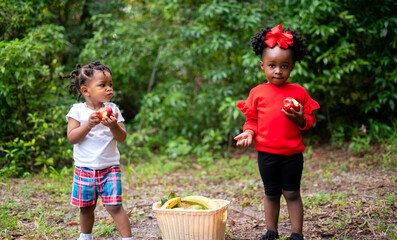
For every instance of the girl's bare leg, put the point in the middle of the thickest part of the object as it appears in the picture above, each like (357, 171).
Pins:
(272, 211)
(120, 219)
(295, 210)
(87, 218)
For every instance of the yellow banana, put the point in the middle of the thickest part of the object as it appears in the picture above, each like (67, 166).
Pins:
(200, 200)
(171, 203)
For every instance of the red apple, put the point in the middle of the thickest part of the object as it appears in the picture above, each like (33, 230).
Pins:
(105, 112)
(289, 103)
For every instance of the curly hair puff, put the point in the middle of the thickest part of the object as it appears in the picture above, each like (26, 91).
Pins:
(298, 48)
(83, 74)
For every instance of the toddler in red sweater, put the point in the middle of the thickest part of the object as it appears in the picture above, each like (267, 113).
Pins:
(276, 131)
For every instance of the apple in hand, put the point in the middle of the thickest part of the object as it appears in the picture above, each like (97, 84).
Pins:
(289, 103)
(105, 112)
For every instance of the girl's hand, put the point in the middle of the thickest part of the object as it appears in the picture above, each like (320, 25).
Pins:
(93, 120)
(117, 128)
(110, 121)
(244, 139)
(296, 117)
(77, 132)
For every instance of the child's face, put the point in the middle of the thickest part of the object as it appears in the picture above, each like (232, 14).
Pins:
(99, 87)
(277, 64)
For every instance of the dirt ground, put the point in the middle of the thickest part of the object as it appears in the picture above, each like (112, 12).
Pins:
(360, 207)
(345, 197)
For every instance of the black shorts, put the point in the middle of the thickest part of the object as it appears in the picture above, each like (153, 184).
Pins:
(280, 172)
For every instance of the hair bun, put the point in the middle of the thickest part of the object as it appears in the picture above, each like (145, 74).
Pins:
(298, 49)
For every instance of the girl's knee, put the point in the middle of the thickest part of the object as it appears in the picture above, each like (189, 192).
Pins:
(273, 198)
(291, 195)
(114, 209)
(87, 210)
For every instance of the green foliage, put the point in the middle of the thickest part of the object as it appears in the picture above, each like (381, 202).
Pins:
(351, 68)
(31, 114)
(15, 18)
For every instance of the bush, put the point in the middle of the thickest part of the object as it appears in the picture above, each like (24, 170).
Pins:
(32, 122)
(351, 69)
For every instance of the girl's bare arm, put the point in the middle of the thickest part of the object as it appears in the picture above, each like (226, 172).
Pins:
(77, 132)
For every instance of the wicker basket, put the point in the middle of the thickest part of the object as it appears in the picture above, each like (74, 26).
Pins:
(185, 224)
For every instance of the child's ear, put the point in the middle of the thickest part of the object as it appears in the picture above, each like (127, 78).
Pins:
(84, 90)
(262, 65)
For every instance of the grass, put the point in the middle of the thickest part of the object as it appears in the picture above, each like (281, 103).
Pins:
(104, 227)
(34, 208)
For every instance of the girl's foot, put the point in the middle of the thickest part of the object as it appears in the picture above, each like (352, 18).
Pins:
(270, 235)
(295, 236)
(85, 236)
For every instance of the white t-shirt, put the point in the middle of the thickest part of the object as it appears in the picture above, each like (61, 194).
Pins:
(98, 149)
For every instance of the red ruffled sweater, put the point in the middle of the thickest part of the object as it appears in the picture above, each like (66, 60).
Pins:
(274, 132)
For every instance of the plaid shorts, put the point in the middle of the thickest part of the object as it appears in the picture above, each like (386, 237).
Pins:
(89, 183)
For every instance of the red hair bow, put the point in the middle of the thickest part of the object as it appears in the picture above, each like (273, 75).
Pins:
(276, 35)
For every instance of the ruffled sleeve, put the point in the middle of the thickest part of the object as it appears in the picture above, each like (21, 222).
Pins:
(308, 110)
(310, 106)
(248, 107)
(248, 111)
